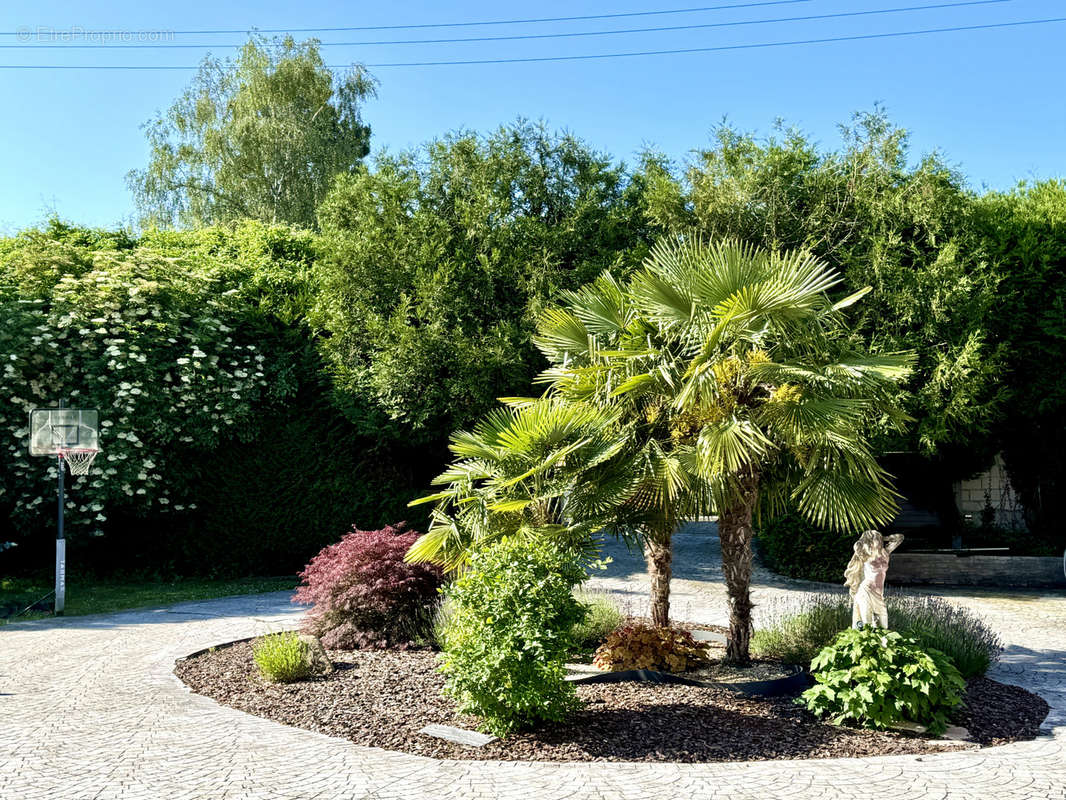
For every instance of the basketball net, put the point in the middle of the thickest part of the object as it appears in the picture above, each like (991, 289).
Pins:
(78, 460)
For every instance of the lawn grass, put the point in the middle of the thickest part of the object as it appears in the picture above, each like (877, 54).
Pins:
(101, 596)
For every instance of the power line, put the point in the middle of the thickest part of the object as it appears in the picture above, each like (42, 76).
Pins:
(698, 26)
(469, 24)
(722, 48)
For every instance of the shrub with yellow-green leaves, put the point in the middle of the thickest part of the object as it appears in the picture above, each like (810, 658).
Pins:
(647, 647)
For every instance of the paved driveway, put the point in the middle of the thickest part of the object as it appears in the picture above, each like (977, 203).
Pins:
(89, 709)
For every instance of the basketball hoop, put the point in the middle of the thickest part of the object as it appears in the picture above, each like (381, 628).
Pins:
(71, 435)
(78, 460)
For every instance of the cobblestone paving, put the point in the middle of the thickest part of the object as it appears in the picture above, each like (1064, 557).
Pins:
(89, 709)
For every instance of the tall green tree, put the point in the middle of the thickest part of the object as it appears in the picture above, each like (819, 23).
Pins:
(259, 137)
(436, 263)
(1023, 235)
(748, 381)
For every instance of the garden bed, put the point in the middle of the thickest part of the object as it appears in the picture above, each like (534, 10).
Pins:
(384, 698)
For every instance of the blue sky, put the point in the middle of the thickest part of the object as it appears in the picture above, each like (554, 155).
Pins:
(991, 100)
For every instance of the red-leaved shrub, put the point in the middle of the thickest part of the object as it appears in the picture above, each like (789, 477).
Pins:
(363, 594)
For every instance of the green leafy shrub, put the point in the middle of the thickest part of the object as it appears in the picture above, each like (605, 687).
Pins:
(796, 634)
(281, 657)
(508, 633)
(140, 338)
(435, 264)
(602, 615)
(269, 505)
(1023, 233)
(792, 546)
(647, 647)
(878, 678)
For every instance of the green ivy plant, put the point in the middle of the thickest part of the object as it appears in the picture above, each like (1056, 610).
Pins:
(880, 678)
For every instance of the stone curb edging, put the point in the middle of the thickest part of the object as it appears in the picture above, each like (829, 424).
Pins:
(212, 648)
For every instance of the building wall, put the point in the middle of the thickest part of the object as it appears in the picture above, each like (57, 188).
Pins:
(951, 570)
(991, 488)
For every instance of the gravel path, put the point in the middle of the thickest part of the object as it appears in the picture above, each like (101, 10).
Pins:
(90, 709)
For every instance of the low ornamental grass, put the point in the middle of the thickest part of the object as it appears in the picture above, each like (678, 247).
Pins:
(281, 657)
(960, 634)
(602, 615)
(798, 631)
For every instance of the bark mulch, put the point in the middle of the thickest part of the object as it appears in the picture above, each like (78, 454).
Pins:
(383, 698)
(998, 713)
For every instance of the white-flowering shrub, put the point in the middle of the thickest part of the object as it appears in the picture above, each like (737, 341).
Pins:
(166, 349)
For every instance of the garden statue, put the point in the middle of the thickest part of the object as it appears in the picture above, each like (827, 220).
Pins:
(865, 578)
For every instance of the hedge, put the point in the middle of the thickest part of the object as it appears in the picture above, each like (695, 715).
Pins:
(222, 453)
(789, 545)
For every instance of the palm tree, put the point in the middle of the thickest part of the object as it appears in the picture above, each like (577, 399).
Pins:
(566, 469)
(719, 379)
(739, 388)
(595, 341)
(533, 468)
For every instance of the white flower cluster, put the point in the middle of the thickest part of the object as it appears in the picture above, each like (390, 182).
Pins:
(151, 351)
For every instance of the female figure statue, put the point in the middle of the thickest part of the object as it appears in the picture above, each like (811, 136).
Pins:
(865, 577)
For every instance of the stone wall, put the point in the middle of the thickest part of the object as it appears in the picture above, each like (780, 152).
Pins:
(991, 488)
(949, 569)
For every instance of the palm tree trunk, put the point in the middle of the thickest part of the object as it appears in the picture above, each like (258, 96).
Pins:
(735, 532)
(658, 551)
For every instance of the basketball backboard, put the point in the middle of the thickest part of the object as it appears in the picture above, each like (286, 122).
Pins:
(53, 430)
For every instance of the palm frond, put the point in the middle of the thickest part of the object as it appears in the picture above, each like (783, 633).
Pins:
(850, 374)
(465, 471)
(844, 500)
(851, 299)
(562, 335)
(731, 445)
(872, 369)
(518, 402)
(721, 270)
(601, 306)
(804, 419)
(662, 301)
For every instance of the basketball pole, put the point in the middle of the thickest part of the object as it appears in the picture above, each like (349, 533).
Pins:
(61, 545)
(60, 552)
